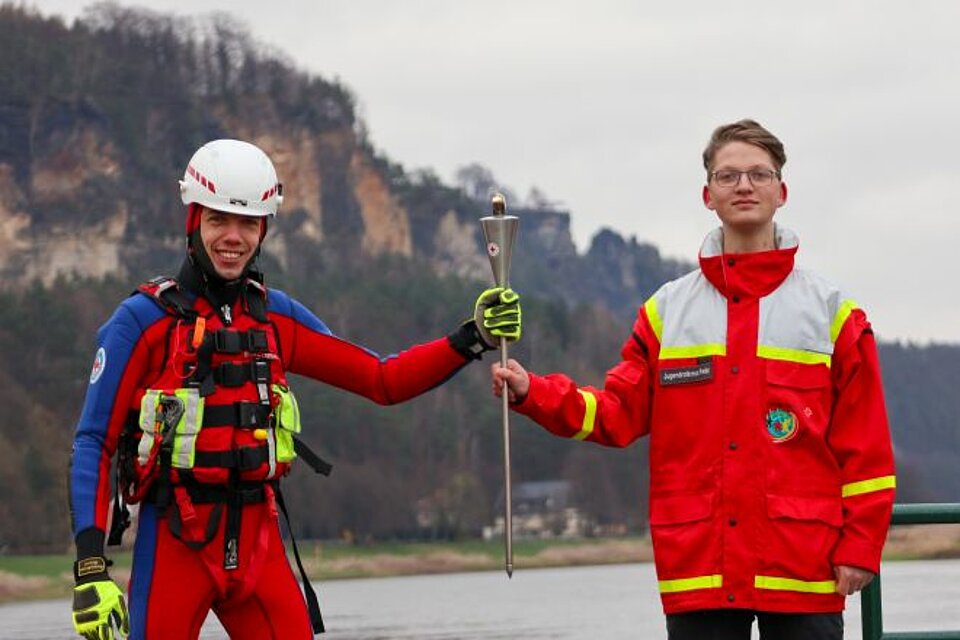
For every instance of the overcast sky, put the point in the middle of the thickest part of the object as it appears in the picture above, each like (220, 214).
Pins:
(605, 106)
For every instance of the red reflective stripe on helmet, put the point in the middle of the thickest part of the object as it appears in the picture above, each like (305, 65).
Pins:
(202, 179)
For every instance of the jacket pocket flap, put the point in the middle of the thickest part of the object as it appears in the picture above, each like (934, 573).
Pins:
(821, 508)
(796, 375)
(680, 509)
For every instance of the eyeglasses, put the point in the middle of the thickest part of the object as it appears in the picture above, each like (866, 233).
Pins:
(757, 177)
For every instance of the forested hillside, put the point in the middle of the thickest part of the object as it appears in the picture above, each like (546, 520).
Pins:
(96, 121)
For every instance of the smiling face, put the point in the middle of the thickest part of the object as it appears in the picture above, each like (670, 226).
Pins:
(745, 210)
(230, 241)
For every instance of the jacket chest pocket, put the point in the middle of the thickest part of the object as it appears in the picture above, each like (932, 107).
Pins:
(798, 400)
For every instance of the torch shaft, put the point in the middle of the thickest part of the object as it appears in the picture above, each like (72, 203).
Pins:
(499, 231)
(507, 484)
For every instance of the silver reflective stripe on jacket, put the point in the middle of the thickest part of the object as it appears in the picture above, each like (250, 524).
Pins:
(799, 321)
(692, 318)
(796, 319)
(148, 424)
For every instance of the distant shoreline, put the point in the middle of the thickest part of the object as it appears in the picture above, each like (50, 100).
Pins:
(40, 577)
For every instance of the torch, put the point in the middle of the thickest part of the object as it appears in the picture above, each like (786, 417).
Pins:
(500, 232)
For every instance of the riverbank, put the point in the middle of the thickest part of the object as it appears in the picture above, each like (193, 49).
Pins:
(49, 576)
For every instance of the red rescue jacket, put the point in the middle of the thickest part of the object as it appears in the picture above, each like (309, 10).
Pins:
(770, 455)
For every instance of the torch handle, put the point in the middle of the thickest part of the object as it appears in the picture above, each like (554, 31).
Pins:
(507, 484)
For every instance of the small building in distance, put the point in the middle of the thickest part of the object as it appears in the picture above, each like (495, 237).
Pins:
(542, 509)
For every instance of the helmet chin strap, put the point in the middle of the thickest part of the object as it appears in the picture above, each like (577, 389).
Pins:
(198, 256)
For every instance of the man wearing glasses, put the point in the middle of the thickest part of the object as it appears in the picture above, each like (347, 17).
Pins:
(771, 466)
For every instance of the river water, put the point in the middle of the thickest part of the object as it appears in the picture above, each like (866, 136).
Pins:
(582, 603)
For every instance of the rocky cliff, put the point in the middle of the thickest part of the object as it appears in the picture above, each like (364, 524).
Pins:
(91, 148)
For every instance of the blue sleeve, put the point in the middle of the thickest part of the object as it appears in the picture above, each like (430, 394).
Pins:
(92, 448)
(280, 303)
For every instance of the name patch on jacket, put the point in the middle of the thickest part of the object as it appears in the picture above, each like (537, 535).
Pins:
(683, 375)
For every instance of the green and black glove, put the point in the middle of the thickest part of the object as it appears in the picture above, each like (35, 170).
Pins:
(99, 610)
(496, 315)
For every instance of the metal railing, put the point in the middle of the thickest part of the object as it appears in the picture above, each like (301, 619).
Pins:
(871, 611)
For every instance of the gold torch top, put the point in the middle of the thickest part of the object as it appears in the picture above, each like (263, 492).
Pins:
(499, 204)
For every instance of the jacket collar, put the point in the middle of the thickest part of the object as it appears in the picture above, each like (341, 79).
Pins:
(748, 274)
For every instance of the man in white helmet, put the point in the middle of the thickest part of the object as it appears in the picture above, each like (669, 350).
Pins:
(189, 392)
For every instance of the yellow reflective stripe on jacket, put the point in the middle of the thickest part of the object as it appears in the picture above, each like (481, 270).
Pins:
(589, 415)
(868, 486)
(691, 584)
(790, 584)
(653, 316)
(793, 355)
(693, 351)
(846, 308)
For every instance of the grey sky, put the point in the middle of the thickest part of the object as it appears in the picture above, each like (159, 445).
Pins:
(606, 105)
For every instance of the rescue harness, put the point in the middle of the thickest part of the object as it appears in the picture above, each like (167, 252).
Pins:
(159, 460)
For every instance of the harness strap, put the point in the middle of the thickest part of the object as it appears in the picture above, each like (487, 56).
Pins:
(315, 462)
(248, 493)
(231, 533)
(244, 415)
(182, 514)
(167, 293)
(311, 596)
(255, 296)
(120, 521)
(241, 458)
(228, 374)
(201, 375)
(231, 341)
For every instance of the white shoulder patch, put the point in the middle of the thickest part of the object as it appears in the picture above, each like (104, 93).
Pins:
(99, 364)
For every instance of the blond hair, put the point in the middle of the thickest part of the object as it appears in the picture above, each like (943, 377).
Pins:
(750, 132)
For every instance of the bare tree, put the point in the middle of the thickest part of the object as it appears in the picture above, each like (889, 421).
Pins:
(479, 183)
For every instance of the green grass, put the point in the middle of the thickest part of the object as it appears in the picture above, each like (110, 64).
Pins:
(51, 565)
(58, 565)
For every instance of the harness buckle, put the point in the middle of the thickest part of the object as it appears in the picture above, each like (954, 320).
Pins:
(227, 341)
(257, 341)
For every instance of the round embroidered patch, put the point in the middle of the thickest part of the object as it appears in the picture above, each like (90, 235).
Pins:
(99, 364)
(782, 425)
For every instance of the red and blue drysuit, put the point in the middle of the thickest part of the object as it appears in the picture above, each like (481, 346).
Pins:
(184, 562)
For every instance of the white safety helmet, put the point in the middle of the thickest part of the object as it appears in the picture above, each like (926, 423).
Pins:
(232, 176)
